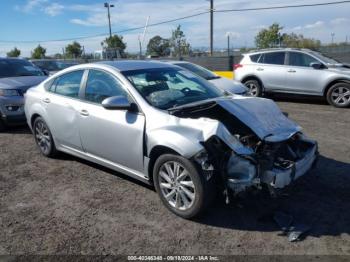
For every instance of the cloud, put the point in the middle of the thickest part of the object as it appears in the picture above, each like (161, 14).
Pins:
(53, 9)
(314, 25)
(30, 5)
(339, 21)
(233, 35)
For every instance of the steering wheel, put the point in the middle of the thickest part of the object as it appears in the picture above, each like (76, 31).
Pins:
(185, 90)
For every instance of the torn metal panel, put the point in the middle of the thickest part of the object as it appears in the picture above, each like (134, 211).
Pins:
(263, 116)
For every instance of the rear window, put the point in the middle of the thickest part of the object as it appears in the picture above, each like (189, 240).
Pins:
(254, 58)
(275, 58)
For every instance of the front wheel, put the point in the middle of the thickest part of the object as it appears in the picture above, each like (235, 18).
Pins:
(254, 87)
(339, 95)
(182, 189)
(43, 138)
(2, 126)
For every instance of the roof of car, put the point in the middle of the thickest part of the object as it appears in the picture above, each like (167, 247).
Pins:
(176, 62)
(258, 51)
(12, 58)
(126, 65)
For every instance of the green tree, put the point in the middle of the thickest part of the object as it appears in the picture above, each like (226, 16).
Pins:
(38, 52)
(74, 50)
(269, 37)
(114, 45)
(179, 43)
(14, 53)
(299, 41)
(158, 46)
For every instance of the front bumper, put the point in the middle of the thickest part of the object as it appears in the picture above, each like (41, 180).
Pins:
(281, 177)
(12, 120)
(244, 173)
(12, 111)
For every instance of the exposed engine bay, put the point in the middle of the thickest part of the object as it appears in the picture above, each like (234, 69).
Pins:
(273, 160)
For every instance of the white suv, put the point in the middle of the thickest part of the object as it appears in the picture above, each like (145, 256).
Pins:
(295, 71)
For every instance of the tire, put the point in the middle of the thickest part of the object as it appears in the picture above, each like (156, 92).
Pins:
(254, 87)
(339, 95)
(2, 126)
(180, 191)
(43, 138)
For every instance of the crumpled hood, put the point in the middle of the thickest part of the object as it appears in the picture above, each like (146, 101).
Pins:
(231, 86)
(21, 82)
(262, 116)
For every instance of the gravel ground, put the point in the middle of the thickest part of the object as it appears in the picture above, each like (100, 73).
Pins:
(70, 206)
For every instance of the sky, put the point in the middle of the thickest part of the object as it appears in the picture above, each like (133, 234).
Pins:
(43, 21)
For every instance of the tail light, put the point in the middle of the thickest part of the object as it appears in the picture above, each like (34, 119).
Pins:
(236, 66)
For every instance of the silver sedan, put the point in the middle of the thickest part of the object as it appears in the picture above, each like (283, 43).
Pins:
(170, 128)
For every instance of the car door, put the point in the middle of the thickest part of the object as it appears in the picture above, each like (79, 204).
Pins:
(301, 76)
(113, 135)
(62, 105)
(271, 70)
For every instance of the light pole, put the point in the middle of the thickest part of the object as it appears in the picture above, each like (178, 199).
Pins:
(107, 5)
(211, 26)
(332, 37)
(228, 43)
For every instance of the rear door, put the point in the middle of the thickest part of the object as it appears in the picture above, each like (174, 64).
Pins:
(301, 77)
(271, 70)
(62, 104)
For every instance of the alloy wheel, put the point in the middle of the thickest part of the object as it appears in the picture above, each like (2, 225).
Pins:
(341, 95)
(253, 89)
(42, 137)
(176, 185)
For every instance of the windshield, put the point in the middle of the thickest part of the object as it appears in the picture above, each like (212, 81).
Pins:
(18, 67)
(198, 70)
(325, 59)
(165, 88)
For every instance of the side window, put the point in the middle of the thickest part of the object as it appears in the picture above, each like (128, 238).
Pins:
(275, 58)
(101, 85)
(68, 84)
(300, 59)
(48, 85)
(254, 58)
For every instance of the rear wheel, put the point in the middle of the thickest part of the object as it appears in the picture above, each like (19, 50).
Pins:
(43, 138)
(254, 87)
(339, 95)
(180, 186)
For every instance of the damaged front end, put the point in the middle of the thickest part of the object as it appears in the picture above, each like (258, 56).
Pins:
(253, 144)
(275, 164)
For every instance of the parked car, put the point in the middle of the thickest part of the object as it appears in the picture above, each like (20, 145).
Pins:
(52, 66)
(170, 128)
(16, 76)
(228, 85)
(295, 71)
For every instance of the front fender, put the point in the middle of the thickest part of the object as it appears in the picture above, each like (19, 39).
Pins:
(182, 140)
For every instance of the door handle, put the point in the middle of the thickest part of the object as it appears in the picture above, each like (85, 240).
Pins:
(84, 112)
(260, 69)
(46, 100)
(291, 71)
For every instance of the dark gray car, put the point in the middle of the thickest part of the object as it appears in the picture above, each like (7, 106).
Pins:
(16, 76)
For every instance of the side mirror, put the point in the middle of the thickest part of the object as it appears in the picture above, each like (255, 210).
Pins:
(316, 65)
(46, 72)
(116, 103)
